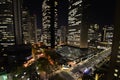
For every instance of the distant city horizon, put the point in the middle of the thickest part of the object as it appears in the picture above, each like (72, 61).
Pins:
(60, 39)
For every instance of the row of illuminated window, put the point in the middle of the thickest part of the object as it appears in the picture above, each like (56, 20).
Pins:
(74, 30)
(10, 15)
(5, 1)
(74, 38)
(25, 12)
(8, 36)
(74, 19)
(7, 19)
(2, 2)
(75, 16)
(73, 43)
(74, 33)
(9, 1)
(10, 22)
(6, 10)
(3, 27)
(47, 25)
(75, 24)
(7, 40)
(77, 3)
(47, 13)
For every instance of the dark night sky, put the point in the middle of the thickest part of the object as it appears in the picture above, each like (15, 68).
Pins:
(101, 11)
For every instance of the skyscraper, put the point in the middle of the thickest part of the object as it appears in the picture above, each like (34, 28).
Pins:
(49, 22)
(77, 28)
(108, 33)
(6, 23)
(63, 35)
(17, 12)
(114, 71)
(94, 36)
(29, 27)
(10, 22)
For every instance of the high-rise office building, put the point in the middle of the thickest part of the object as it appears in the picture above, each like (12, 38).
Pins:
(49, 22)
(38, 34)
(17, 12)
(77, 29)
(29, 27)
(114, 71)
(108, 33)
(6, 23)
(33, 28)
(10, 22)
(94, 36)
(63, 35)
(26, 25)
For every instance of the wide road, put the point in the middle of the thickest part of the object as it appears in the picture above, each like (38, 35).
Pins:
(75, 72)
(91, 62)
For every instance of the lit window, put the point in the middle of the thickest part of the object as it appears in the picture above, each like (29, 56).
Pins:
(118, 56)
(115, 74)
(118, 61)
(56, 3)
(119, 52)
(116, 70)
(3, 2)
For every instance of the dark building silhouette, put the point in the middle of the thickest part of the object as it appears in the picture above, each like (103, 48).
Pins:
(114, 71)
(17, 8)
(14, 56)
